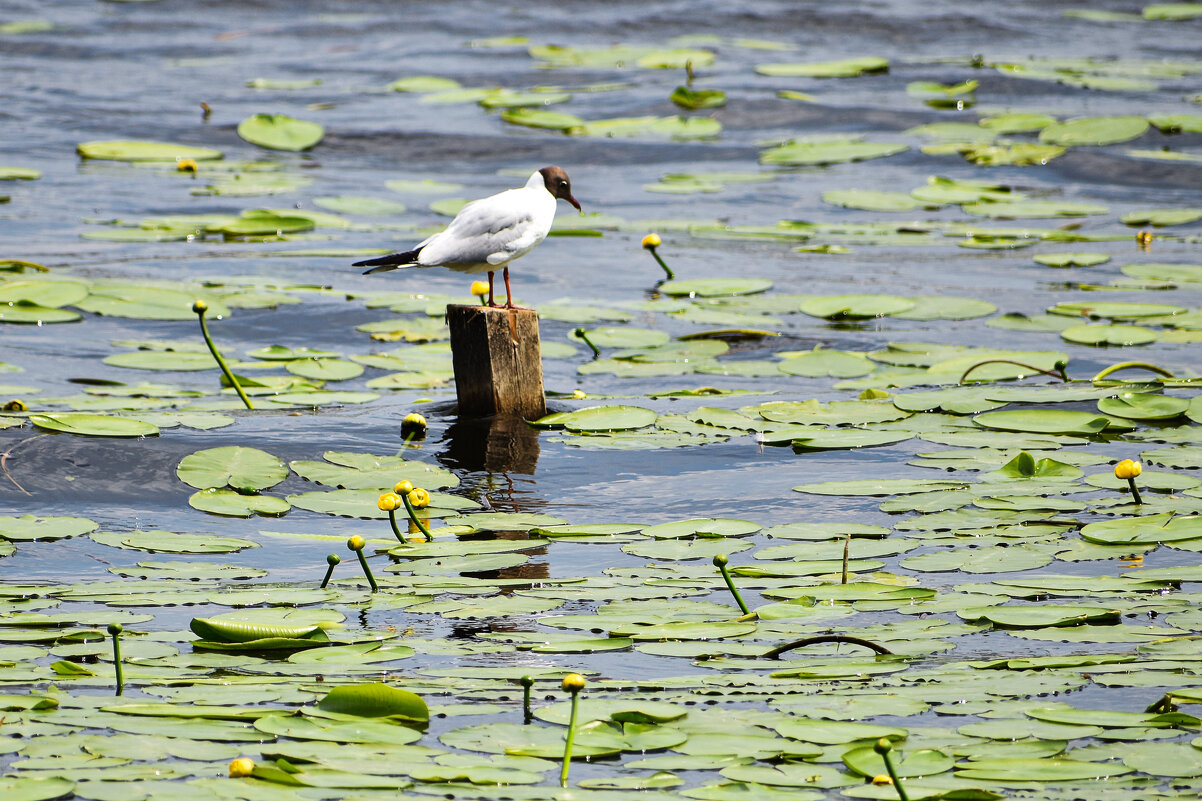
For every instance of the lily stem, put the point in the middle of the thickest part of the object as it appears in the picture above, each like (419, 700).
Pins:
(395, 528)
(789, 646)
(1114, 368)
(720, 563)
(887, 755)
(846, 555)
(367, 571)
(571, 738)
(667, 269)
(1135, 496)
(583, 336)
(412, 516)
(115, 630)
(1058, 373)
(331, 560)
(204, 329)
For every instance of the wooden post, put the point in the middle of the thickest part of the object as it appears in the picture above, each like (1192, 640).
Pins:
(498, 361)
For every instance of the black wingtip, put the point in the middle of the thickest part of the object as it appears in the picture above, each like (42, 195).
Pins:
(389, 262)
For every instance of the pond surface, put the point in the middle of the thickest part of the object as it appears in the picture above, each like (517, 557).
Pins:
(865, 231)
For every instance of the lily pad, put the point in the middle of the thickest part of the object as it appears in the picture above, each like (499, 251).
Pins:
(1094, 131)
(842, 68)
(280, 132)
(94, 425)
(835, 151)
(245, 469)
(144, 151)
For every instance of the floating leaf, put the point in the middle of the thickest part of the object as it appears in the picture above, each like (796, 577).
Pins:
(715, 287)
(693, 99)
(1162, 217)
(1115, 335)
(30, 528)
(855, 307)
(540, 118)
(280, 132)
(828, 152)
(145, 151)
(94, 425)
(374, 700)
(1072, 259)
(1043, 421)
(1093, 131)
(599, 418)
(842, 68)
(246, 469)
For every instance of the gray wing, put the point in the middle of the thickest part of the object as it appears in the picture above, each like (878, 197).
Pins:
(484, 231)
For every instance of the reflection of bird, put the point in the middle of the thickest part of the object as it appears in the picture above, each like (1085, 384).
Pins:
(490, 232)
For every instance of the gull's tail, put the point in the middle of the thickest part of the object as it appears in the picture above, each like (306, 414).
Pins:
(390, 262)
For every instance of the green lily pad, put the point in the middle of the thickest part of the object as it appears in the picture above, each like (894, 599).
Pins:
(842, 68)
(1115, 310)
(1093, 131)
(541, 118)
(246, 469)
(599, 418)
(144, 151)
(94, 425)
(1160, 528)
(829, 152)
(1176, 273)
(30, 528)
(1143, 406)
(1029, 209)
(715, 287)
(1113, 335)
(855, 307)
(223, 501)
(36, 788)
(1043, 421)
(169, 542)
(871, 200)
(374, 700)
(1041, 616)
(693, 99)
(1038, 770)
(280, 132)
(1159, 218)
(1072, 259)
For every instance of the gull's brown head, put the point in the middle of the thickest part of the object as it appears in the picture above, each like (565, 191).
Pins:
(558, 184)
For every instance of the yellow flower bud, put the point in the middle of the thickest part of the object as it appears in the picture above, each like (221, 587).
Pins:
(240, 767)
(388, 501)
(573, 683)
(356, 543)
(652, 241)
(1144, 239)
(419, 498)
(186, 165)
(579, 394)
(1127, 469)
(15, 405)
(882, 778)
(479, 288)
(403, 488)
(413, 426)
(200, 307)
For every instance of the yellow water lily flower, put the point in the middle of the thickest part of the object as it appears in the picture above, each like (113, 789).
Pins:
(573, 683)
(652, 241)
(419, 498)
(356, 543)
(403, 488)
(1127, 469)
(389, 501)
(241, 767)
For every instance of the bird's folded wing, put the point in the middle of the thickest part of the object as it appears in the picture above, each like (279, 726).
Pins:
(483, 230)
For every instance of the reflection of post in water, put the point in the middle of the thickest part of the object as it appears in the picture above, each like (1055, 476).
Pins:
(497, 444)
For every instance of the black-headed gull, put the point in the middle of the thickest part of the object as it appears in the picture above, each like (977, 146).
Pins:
(490, 232)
